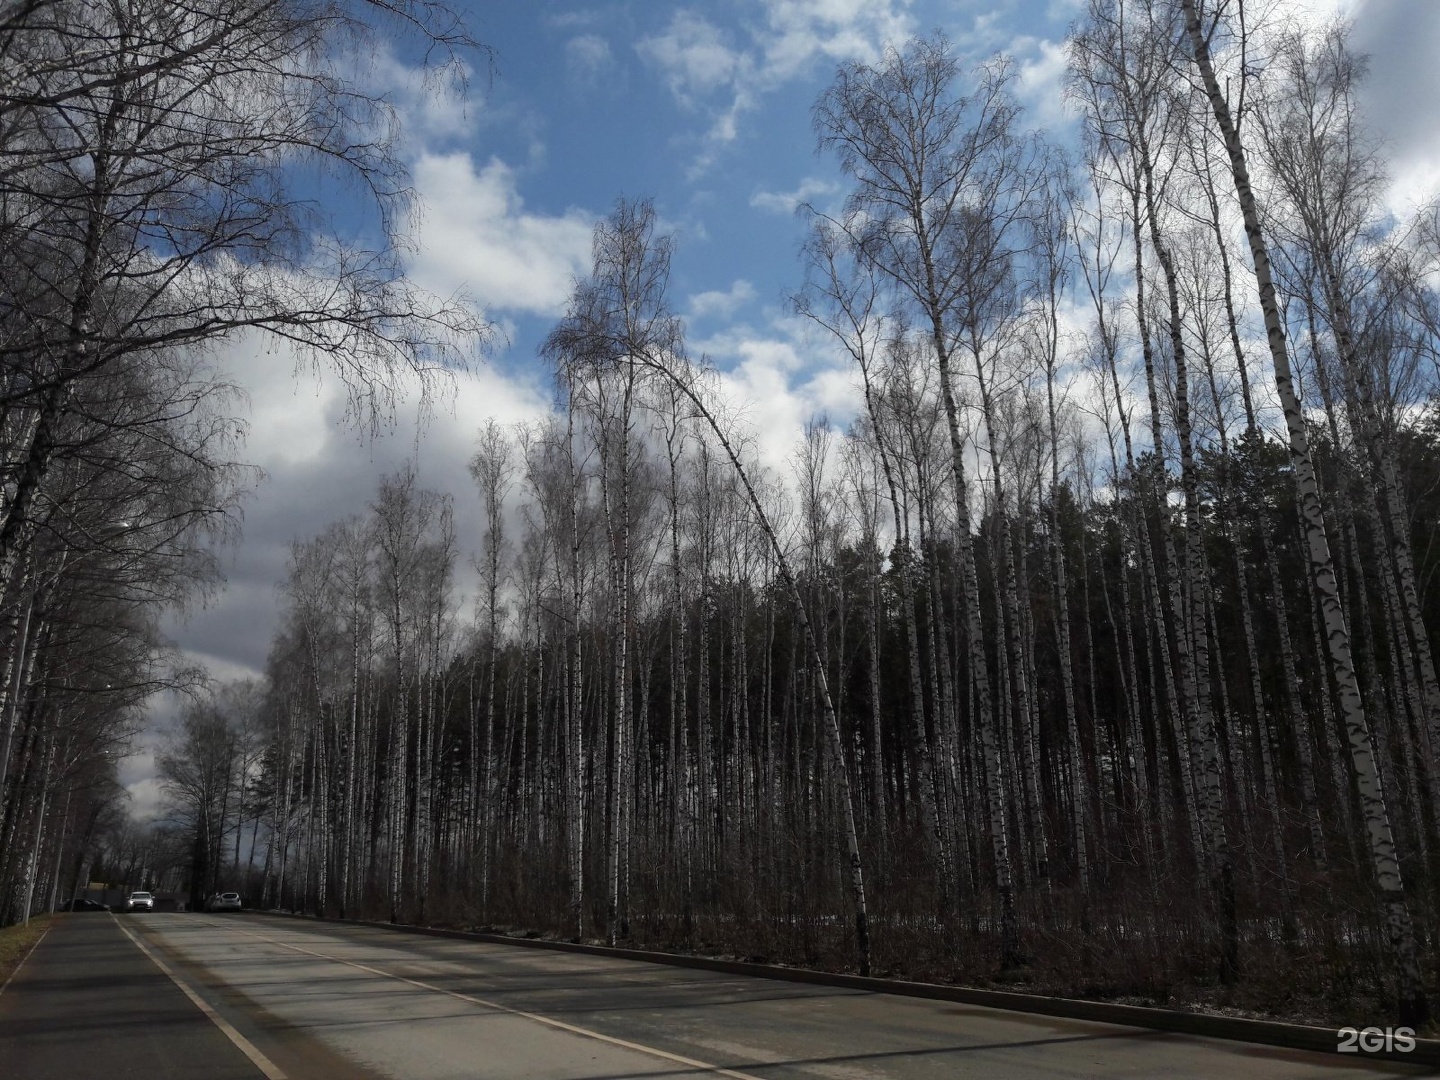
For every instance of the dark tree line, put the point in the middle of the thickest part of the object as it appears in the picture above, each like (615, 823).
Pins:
(155, 207)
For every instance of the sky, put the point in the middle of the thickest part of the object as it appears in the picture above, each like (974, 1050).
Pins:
(705, 108)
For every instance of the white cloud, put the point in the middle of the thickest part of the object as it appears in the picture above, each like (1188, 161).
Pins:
(147, 798)
(1400, 38)
(706, 70)
(1040, 82)
(786, 202)
(694, 56)
(987, 34)
(587, 57)
(771, 405)
(475, 236)
(1321, 10)
(1062, 12)
(802, 30)
(1399, 95)
(284, 410)
(723, 303)
(765, 412)
(433, 105)
(1414, 181)
(137, 777)
(776, 379)
(319, 469)
(575, 20)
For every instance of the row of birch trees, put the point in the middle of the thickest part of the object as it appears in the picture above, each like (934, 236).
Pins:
(157, 169)
(1095, 652)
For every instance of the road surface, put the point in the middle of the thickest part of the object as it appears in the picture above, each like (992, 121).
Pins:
(332, 1002)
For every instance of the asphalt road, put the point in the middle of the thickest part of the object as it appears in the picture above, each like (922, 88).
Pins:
(88, 1003)
(337, 1002)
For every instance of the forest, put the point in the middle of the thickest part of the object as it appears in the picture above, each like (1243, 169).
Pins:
(1092, 656)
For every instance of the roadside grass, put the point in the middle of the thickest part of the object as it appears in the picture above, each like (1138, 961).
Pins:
(17, 941)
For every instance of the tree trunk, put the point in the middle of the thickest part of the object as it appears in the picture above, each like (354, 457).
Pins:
(1413, 1009)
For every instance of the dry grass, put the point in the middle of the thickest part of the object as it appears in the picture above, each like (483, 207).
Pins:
(17, 941)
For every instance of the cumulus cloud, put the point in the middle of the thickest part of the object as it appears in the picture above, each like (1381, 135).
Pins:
(771, 410)
(475, 236)
(147, 797)
(1403, 82)
(694, 55)
(773, 380)
(318, 469)
(722, 303)
(1040, 82)
(432, 104)
(787, 202)
(799, 31)
(988, 33)
(1063, 12)
(1400, 93)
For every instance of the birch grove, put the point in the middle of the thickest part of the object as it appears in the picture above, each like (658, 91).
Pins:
(151, 218)
(1091, 655)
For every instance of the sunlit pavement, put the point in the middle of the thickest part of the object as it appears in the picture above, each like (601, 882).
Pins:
(423, 1008)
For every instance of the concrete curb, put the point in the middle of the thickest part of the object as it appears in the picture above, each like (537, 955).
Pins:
(1237, 1029)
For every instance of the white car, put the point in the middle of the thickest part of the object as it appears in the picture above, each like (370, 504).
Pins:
(223, 901)
(139, 901)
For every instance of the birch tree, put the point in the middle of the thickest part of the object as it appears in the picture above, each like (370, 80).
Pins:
(1410, 991)
(935, 172)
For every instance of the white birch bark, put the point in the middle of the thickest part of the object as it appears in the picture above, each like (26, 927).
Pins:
(663, 365)
(1385, 865)
(575, 802)
(1051, 241)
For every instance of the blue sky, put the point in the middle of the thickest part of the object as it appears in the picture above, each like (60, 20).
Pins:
(706, 109)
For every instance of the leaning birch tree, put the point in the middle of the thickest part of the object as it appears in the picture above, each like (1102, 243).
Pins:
(619, 319)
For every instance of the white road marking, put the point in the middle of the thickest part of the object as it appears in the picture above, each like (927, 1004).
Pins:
(249, 1049)
(573, 1029)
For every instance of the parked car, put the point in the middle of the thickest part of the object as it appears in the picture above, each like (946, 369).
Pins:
(139, 901)
(223, 901)
(82, 904)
